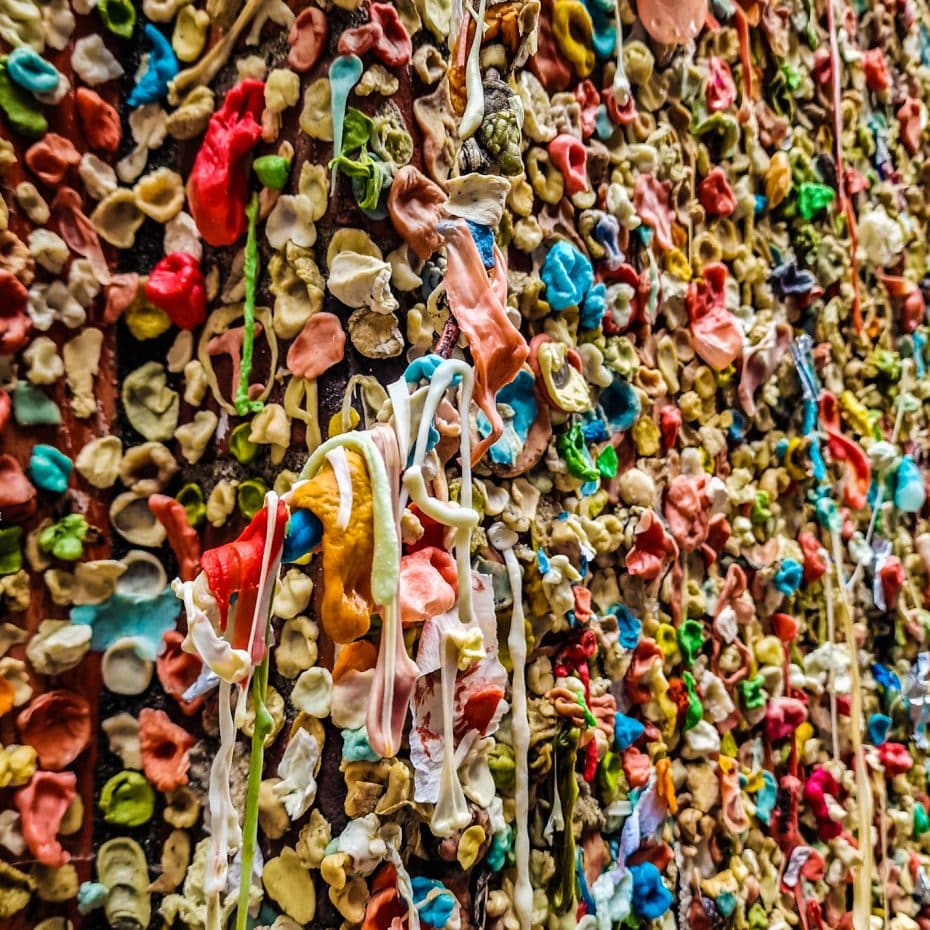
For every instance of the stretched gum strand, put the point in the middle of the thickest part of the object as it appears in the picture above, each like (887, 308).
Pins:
(474, 108)
(520, 735)
(395, 672)
(451, 811)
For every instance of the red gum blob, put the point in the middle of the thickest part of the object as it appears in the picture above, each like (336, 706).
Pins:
(892, 578)
(384, 36)
(717, 339)
(908, 115)
(99, 120)
(176, 286)
(785, 627)
(896, 759)
(652, 548)
(636, 767)
(319, 345)
(783, 716)
(550, 68)
(877, 77)
(428, 584)
(178, 670)
(856, 485)
(17, 495)
(815, 567)
(569, 155)
(481, 707)
(588, 99)
(182, 537)
(477, 303)
(619, 116)
(164, 746)
(235, 568)
(646, 654)
(57, 724)
(6, 407)
(651, 199)
(219, 181)
(716, 195)
(42, 805)
(670, 421)
(14, 322)
(307, 38)
(415, 205)
(721, 90)
(50, 158)
(78, 231)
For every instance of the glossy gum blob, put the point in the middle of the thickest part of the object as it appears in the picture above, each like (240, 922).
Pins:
(347, 549)
(42, 805)
(176, 286)
(569, 155)
(218, 187)
(57, 724)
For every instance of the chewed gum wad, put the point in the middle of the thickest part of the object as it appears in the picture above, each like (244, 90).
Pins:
(464, 466)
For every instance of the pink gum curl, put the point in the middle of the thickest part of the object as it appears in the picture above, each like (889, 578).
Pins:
(856, 484)
(307, 38)
(569, 155)
(42, 805)
(477, 303)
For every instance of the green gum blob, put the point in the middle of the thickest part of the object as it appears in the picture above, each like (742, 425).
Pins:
(272, 170)
(127, 799)
(22, 110)
(752, 693)
(242, 448)
(32, 407)
(250, 496)
(11, 556)
(119, 16)
(191, 499)
(65, 539)
(690, 640)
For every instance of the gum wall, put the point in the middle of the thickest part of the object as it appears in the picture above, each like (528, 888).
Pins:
(463, 464)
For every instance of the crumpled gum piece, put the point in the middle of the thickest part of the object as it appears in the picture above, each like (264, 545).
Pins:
(318, 346)
(415, 205)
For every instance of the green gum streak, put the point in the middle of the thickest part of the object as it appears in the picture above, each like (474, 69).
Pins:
(263, 726)
(250, 273)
